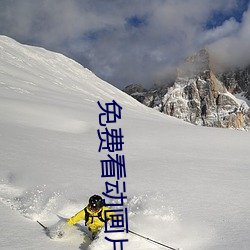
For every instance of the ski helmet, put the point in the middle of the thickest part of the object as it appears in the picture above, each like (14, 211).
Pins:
(95, 202)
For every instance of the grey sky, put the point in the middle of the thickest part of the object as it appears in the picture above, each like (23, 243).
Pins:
(131, 41)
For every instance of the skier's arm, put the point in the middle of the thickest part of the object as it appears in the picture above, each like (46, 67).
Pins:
(77, 217)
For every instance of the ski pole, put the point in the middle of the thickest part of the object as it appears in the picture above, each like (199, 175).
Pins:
(45, 228)
(159, 243)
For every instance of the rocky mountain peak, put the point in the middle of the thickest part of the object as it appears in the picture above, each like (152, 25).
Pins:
(196, 64)
(200, 96)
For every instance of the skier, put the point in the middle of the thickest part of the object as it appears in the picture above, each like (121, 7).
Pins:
(94, 215)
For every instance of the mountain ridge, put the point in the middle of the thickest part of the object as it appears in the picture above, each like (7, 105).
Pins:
(200, 95)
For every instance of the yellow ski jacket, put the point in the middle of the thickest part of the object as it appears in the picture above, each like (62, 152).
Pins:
(94, 223)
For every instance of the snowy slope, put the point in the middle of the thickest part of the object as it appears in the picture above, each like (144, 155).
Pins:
(187, 186)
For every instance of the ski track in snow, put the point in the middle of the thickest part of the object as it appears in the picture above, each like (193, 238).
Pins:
(49, 152)
(147, 216)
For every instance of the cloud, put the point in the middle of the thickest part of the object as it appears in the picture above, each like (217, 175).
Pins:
(232, 50)
(124, 42)
(228, 28)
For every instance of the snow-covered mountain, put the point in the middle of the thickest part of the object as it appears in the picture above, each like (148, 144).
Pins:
(237, 81)
(201, 95)
(187, 186)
